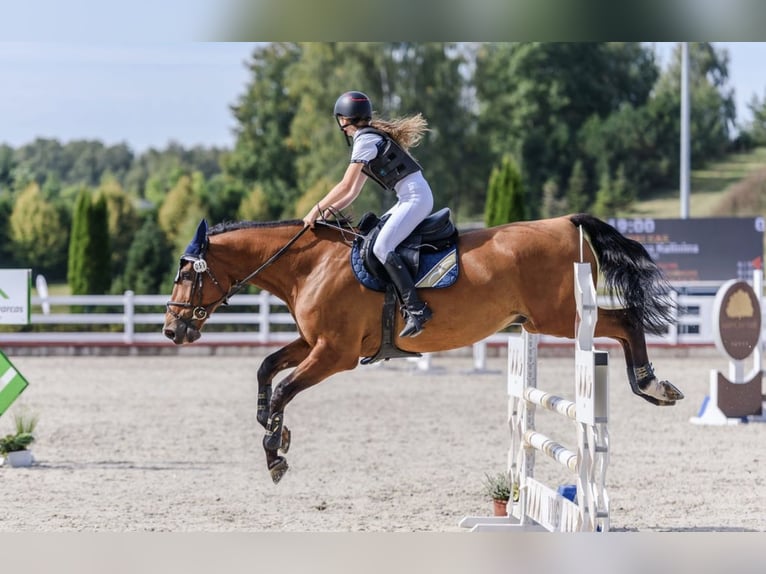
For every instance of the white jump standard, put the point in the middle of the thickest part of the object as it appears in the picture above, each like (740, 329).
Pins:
(540, 507)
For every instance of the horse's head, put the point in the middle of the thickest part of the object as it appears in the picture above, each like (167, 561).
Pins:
(197, 292)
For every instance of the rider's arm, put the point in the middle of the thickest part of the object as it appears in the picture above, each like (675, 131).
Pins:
(340, 196)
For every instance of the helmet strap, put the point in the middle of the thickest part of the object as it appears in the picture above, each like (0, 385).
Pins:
(352, 122)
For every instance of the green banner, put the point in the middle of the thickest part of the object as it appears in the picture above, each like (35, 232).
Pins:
(12, 383)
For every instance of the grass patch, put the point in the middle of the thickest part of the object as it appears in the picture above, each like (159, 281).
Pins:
(708, 186)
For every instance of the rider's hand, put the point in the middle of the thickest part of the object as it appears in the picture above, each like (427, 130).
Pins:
(311, 217)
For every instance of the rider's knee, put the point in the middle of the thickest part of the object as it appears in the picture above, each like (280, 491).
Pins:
(380, 252)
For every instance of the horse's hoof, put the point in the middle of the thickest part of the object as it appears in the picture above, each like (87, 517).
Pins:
(661, 393)
(277, 469)
(285, 444)
(671, 391)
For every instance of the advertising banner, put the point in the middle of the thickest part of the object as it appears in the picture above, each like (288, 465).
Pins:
(15, 288)
(714, 249)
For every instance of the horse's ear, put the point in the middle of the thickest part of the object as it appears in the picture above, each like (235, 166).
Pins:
(197, 246)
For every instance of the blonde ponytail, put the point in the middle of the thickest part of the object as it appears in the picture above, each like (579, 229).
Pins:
(407, 131)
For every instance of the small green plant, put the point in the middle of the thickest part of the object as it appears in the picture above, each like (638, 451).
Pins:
(22, 438)
(498, 486)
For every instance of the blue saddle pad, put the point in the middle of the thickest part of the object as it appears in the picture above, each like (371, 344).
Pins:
(437, 269)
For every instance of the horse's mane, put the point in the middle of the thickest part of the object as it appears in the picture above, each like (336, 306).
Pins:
(225, 226)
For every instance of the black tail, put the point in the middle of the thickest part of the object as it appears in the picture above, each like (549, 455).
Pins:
(630, 274)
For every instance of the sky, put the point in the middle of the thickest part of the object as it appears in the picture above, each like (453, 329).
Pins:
(149, 94)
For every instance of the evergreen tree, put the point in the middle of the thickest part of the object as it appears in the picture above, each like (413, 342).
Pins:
(505, 195)
(80, 245)
(576, 194)
(604, 205)
(7, 257)
(553, 205)
(99, 257)
(123, 220)
(89, 266)
(148, 261)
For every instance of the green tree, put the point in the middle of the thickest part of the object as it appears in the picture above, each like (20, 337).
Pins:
(254, 206)
(534, 99)
(264, 153)
(89, 269)
(577, 189)
(123, 220)
(100, 255)
(7, 255)
(148, 261)
(7, 166)
(181, 205)
(505, 195)
(757, 126)
(38, 233)
(79, 245)
(614, 194)
(553, 205)
(401, 79)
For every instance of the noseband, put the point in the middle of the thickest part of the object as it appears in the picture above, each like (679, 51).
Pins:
(201, 312)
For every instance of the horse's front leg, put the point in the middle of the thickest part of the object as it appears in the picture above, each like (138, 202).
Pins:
(321, 362)
(287, 357)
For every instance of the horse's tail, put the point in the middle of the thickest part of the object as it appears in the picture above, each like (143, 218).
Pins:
(630, 274)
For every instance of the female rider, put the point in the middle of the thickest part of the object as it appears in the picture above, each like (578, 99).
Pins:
(379, 152)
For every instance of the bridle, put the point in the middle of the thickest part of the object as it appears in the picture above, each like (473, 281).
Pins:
(200, 312)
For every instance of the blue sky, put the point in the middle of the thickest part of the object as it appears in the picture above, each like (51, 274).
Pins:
(148, 94)
(143, 94)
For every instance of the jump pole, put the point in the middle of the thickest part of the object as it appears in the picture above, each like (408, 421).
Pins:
(540, 507)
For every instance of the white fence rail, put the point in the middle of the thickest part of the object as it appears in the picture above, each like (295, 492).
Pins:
(260, 319)
(266, 321)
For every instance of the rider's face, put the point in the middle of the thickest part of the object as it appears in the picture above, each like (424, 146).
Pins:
(346, 125)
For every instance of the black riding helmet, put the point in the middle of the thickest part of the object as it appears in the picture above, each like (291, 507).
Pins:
(353, 105)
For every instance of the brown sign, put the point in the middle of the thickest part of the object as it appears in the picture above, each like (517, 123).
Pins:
(738, 311)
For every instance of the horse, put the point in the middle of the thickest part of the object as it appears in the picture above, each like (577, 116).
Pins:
(517, 273)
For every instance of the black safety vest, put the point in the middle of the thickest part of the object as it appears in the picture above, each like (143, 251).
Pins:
(392, 164)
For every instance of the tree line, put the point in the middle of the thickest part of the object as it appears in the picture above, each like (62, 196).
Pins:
(571, 127)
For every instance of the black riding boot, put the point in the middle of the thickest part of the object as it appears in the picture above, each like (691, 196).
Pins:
(416, 312)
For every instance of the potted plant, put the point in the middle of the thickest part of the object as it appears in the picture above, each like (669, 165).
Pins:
(498, 488)
(14, 446)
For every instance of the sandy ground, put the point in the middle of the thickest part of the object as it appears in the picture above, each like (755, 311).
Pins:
(170, 443)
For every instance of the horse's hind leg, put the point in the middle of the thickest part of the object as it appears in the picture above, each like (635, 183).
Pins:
(643, 382)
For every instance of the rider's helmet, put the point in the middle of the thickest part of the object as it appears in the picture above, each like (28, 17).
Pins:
(355, 106)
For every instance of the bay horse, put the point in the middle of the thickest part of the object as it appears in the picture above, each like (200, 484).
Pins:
(515, 273)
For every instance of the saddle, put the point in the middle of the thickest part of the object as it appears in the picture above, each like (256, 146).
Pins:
(429, 252)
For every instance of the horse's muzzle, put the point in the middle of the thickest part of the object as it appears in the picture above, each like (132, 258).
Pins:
(179, 332)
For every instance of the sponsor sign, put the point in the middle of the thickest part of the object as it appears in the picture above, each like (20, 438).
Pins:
(15, 303)
(736, 320)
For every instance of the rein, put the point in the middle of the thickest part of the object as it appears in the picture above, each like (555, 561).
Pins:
(239, 285)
